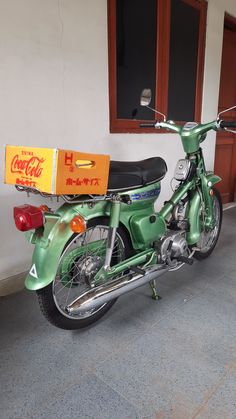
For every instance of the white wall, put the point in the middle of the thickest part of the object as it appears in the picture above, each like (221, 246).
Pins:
(54, 92)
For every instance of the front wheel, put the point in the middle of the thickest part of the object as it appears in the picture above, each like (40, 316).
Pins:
(208, 239)
(81, 259)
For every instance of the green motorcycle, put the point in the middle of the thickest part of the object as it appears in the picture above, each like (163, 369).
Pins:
(93, 249)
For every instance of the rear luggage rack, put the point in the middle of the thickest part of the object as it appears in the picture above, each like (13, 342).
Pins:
(69, 199)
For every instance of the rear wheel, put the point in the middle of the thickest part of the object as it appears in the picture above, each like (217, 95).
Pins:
(81, 259)
(208, 239)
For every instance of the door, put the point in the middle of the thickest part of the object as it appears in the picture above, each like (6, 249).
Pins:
(225, 155)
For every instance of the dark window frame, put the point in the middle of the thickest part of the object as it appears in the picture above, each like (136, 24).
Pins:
(162, 64)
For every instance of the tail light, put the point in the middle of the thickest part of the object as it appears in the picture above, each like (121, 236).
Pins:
(28, 217)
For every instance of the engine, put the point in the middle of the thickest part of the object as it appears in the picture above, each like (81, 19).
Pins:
(172, 247)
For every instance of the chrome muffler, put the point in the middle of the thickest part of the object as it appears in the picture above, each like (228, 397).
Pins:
(102, 294)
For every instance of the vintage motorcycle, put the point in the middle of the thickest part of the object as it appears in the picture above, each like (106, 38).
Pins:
(93, 249)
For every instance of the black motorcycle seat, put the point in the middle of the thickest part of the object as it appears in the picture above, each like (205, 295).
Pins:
(125, 175)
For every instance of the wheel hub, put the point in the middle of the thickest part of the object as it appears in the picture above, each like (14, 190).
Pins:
(86, 268)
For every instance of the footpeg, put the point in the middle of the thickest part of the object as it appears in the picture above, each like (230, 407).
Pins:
(138, 270)
(184, 259)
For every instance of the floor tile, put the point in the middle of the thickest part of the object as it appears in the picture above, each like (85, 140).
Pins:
(91, 399)
(163, 361)
(222, 403)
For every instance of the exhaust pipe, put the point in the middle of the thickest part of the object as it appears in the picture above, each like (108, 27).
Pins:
(100, 295)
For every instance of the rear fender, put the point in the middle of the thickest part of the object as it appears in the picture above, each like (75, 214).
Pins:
(50, 243)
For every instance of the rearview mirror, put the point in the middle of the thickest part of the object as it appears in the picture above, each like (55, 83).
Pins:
(146, 97)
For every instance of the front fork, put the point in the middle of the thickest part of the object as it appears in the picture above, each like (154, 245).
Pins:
(206, 194)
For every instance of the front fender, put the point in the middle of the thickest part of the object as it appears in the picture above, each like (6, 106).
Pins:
(50, 244)
(211, 177)
(192, 214)
(193, 210)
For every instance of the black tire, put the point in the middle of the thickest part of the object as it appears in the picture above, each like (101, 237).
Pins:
(46, 299)
(200, 255)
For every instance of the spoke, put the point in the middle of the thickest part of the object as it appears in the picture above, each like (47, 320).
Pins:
(65, 275)
(66, 285)
(68, 294)
(207, 238)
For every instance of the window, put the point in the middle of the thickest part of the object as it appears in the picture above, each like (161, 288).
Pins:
(157, 44)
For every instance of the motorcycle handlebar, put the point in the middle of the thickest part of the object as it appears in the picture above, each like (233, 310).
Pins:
(170, 126)
(227, 124)
(148, 125)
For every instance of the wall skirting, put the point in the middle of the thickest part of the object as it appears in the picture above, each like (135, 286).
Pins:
(12, 284)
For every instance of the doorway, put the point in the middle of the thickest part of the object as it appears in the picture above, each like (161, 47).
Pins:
(225, 154)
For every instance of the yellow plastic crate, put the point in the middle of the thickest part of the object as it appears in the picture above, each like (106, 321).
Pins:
(55, 171)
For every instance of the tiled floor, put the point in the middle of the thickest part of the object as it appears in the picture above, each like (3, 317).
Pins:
(175, 358)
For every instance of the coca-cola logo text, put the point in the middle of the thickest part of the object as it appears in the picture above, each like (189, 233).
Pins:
(31, 167)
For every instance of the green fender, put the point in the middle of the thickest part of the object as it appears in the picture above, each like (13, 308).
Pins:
(194, 208)
(51, 242)
(193, 217)
(211, 177)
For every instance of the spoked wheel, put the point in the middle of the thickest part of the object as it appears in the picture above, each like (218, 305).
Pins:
(208, 239)
(81, 259)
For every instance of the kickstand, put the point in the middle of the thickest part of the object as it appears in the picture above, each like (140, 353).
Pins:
(155, 296)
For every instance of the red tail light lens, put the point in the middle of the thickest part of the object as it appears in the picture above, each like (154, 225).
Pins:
(28, 217)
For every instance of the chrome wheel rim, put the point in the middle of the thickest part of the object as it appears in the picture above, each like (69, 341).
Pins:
(69, 285)
(208, 238)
